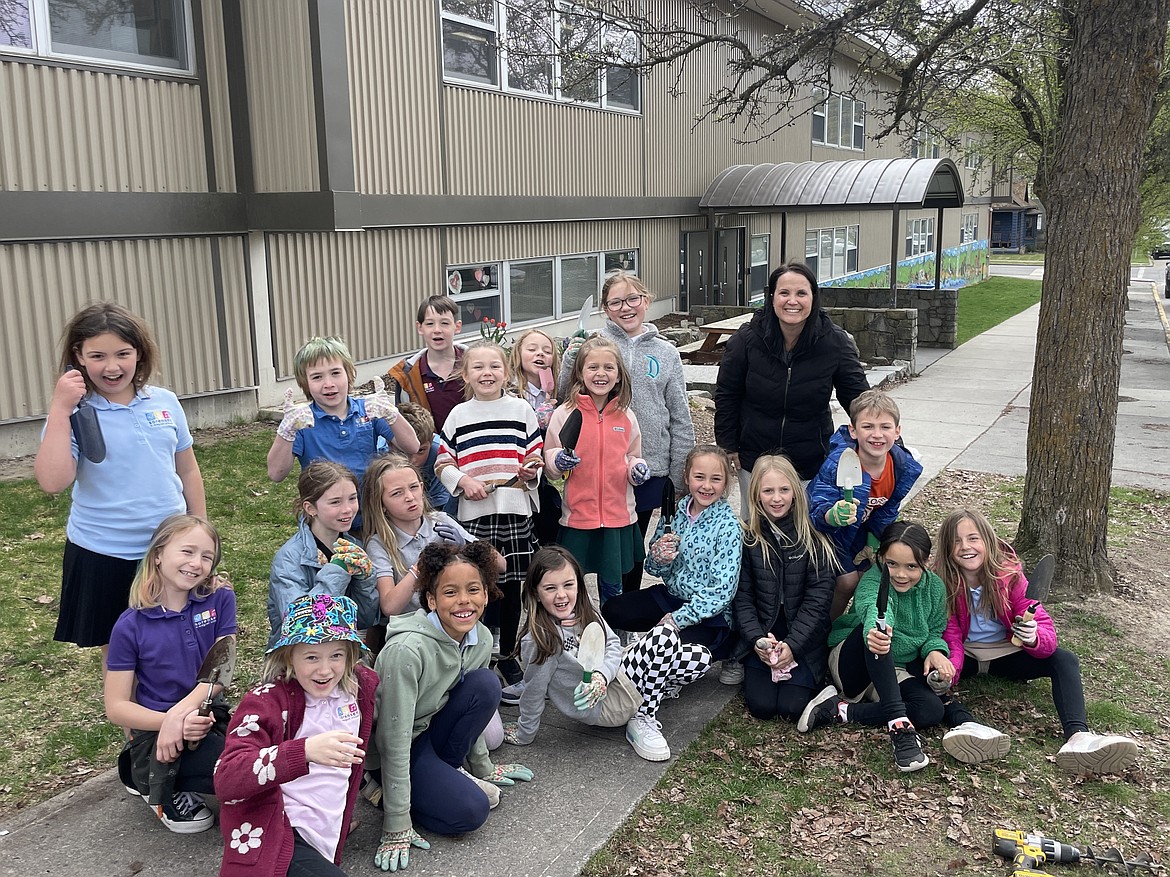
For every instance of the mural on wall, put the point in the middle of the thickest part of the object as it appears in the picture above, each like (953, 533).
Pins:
(961, 266)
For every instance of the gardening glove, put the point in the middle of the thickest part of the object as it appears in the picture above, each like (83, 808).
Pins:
(297, 416)
(665, 549)
(566, 461)
(639, 474)
(507, 774)
(868, 554)
(1025, 631)
(448, 532)
(572, 345)
(842, 513)
(394, 849)
(352, 559)
(588, 694)
(512, 733)
(380, 406)
(783, 674)
(544, 411)
(937, 684)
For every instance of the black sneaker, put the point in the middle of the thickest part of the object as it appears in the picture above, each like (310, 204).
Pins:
(184, 813)
(824, 709)
(908, 754)
(510, 670)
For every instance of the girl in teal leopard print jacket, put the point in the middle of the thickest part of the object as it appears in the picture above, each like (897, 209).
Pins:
(698, 562)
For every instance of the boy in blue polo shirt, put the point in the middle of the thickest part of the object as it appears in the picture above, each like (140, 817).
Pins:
(888, 471)
(334, 426)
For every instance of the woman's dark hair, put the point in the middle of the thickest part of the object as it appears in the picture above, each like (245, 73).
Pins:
(437, 556)
(804, 271)
(913, 536)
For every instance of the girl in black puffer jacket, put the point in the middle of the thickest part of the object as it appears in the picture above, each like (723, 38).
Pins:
(781, 609)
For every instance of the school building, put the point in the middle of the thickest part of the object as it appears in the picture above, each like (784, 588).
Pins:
(247, 173)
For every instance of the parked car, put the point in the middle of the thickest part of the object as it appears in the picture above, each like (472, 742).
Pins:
(1162, 251)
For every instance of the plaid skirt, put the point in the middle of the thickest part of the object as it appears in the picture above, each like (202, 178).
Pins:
(513, 537)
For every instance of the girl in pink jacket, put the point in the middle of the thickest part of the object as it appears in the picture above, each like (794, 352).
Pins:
(995, 628)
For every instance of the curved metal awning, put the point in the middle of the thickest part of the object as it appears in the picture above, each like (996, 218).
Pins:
(861, 184)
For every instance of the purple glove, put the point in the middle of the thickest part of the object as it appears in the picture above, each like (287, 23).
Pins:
(566, 461)
(449, 532)
(639, 474)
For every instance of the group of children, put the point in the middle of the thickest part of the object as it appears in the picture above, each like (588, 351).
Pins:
(507, 479)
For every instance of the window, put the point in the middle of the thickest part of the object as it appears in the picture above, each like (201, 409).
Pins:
(925, 144)
(840, 122)
(970, 230)
(971, 158)
(568, 55)
(760, 246)
(530, 290)
(129, 33)
(919, 236)
(831, 252)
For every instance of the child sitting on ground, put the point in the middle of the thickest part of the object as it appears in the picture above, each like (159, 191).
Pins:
(334, 425)
(888, 471)
(292, 765)
(433, 377)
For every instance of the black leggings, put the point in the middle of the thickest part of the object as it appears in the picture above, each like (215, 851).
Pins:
(1062, 667)
(308, 862)
(643, 609)
(632, 580)
(769, 700)
(912, 698)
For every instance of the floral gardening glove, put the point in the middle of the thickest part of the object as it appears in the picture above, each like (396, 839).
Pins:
(639, 474)
(352, 559)
(665, 550)
(566, 461)
(297, 416)
(588, 695)
(379, 405)
(507, 774)
(394, 849)
(512, 733)
(544, 411)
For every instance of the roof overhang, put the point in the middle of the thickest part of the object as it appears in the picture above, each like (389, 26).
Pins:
(874, 184)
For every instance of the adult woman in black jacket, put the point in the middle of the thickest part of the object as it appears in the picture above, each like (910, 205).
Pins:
(776, 377)
(781, 608)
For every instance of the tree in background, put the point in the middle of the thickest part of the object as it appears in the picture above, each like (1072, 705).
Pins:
(1071, 84)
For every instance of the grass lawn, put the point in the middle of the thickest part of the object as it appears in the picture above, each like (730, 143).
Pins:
(989, 303)
(1016, 258)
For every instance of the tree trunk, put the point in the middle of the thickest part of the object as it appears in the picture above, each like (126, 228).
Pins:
(1116, 52)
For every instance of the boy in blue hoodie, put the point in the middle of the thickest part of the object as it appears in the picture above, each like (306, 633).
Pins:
(888, 471)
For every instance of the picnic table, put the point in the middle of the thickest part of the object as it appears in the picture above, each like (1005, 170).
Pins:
(710, 350)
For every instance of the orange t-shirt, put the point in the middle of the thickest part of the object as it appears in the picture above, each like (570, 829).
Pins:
(880, 489)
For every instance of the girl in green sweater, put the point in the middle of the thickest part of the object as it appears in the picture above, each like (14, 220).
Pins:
(890, 665)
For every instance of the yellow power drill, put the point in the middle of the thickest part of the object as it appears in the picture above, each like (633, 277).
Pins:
(1028, 852)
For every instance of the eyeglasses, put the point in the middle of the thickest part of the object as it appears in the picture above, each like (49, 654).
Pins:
(615, 304)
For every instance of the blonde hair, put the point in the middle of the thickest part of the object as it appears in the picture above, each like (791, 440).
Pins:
(629, 278)
(318, 349)
(999, 560)
(514, 357)
(577, 380)
(471, 348)
(278, 664)
(874, 400)
(375, 521)
(146, 591)
(819, 547)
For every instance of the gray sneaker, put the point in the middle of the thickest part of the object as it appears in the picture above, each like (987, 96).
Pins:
(731, 673)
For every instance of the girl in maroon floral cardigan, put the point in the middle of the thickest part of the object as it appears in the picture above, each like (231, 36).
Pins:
(290, 771)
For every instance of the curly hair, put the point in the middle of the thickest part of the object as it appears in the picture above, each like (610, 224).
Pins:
(437, 556)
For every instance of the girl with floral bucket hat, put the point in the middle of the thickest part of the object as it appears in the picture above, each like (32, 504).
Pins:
(292, 764)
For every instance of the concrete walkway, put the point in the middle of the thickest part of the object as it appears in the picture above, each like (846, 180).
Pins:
(966, 410)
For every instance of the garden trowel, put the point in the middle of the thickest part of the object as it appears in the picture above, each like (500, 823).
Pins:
(217, 668)
(87, 432)
(848, 472)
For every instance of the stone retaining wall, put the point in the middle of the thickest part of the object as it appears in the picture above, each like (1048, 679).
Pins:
(883, 335)
(938, 311)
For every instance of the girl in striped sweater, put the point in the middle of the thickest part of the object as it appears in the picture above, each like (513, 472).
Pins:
(490, 459)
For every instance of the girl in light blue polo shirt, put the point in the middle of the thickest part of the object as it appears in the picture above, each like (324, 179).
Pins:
(128, 474)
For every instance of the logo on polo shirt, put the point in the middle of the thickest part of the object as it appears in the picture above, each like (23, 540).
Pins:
(348, 712)
(158, 418)
(204, 618)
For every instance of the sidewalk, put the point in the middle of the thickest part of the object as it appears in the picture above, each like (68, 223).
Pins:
(967, 410)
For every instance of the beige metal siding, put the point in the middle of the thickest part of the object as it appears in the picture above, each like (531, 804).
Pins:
(504, 144)
(217, 94)
(488, 243)
(168, 282)
(394, 67)
(80, 130)
(363, 286)
(660, 258)
(280, 96)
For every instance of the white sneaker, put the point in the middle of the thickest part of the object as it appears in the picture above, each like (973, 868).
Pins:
(511, 694)
(645, 735)
(972, 743)
(495, 642)
(1086, 752)
(490, 789)
(731, 673)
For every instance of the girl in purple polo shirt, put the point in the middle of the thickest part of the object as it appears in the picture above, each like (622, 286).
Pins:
(157, 648)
